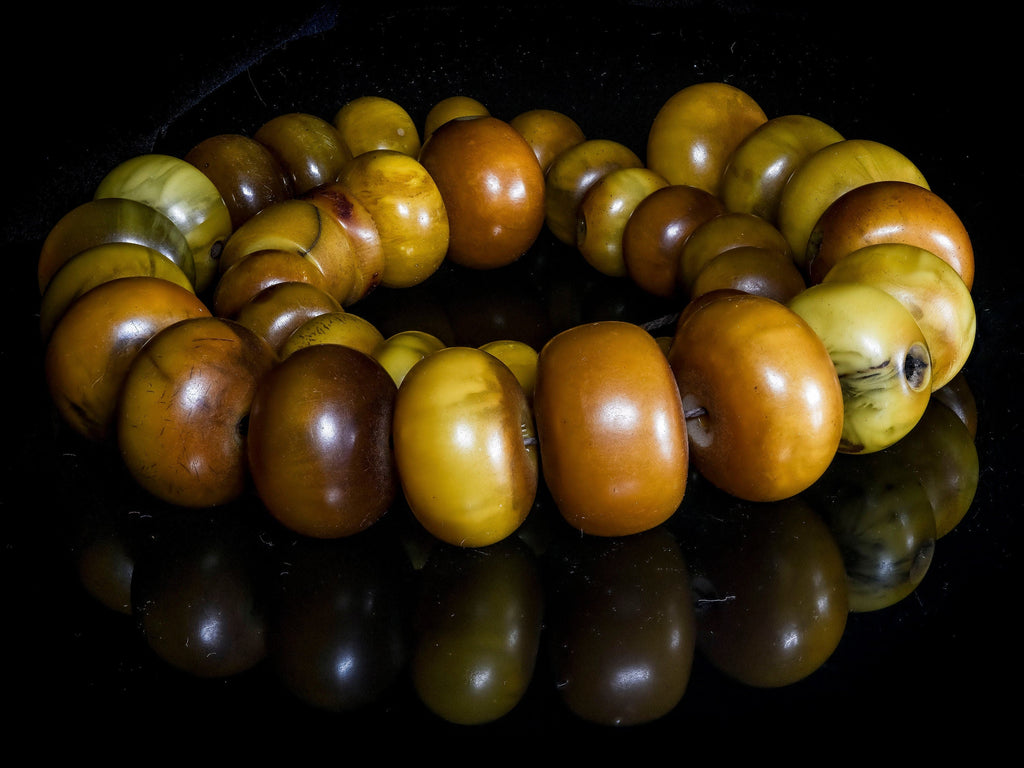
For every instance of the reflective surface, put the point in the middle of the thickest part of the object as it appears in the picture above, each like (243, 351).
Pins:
(927, 662)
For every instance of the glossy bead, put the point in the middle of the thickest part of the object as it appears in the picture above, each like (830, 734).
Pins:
(402, 350)
(185, 195)
(753, 269)
(367, 123)
(572, 173)
(604, 211)
(930, 289)
(622, 630)
(262, 269)
(696, 130)
(183, 409)
(826, 175)
(762, 163)
(245, 172)
(880, 355)
(890, 212)
(301, 227)
(408, 209)
(94, 343)
(721, 233)
(336, 200)
(450, 108)
(772, 591)
(764, 403)
(334, 328)
(520, 358)
(278, 310)
(318, 445)
(112, 220)
(478, 622)
(656, 231)
(611, 428)
(465, 447)
(101, 264)
(492, 187)
(548, 132)
(308, 148)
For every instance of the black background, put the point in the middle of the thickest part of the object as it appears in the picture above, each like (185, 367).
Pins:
(87, 91)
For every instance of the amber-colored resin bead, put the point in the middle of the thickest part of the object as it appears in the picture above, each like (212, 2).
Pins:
(112, 220)
(548, 132)
(762, 163)
(298, 226)
(697, 129)
(604, 212)
(322, 465)
(611, 428)
(492, 187)
(337, 200)
(367, 123)
(658, 229)
(890, 212)
(308, 148)
(451, 108)
(182, 412)
(274, 313)
(751, 269)
(572, 173)
(245, 172)
(94, 343)
(826, 175)
(465, 447)
(101, 264)
(185, 195)
(262, 269)
(764, 402)
(342, 328)
(408, 209)
(720, 234)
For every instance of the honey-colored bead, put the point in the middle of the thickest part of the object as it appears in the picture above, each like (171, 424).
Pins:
(101, 264)
(658, 229)
(181, 415)
(548, 132)
(336, 199)
(298, 226)
(930, 289)
(245, 172)
(604, 212)
(572, 173)
(697, 129)
(451, 108)
(408, 209)
(402, 350)
(96, 340)
(112, 220)
(185, 195)
(890, 212)
(308, 148)
(751, 269)
(262, 269)
(880, 355)
(762, 163)
(826, 175)
(277, 311)
(721, 233)
(343, 328)
(367, 123)
(520, 358)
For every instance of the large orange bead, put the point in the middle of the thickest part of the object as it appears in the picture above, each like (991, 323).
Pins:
(493, 189)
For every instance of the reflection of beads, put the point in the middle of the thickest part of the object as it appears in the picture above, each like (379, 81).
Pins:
(336, 222)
